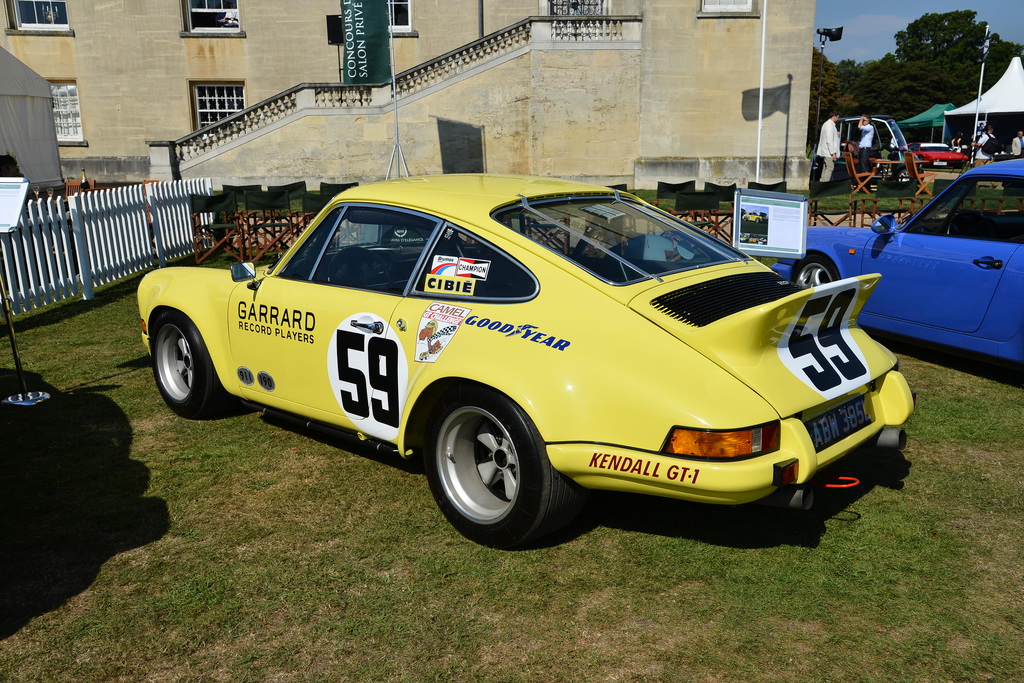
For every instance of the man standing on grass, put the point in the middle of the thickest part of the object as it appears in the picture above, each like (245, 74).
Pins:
(828, 145)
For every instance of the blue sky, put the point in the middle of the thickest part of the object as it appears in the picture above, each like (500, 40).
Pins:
(869, 25)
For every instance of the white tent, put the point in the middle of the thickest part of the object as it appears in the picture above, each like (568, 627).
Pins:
(1001, 105)
(27, 130)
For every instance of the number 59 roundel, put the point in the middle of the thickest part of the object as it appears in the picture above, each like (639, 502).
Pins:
(369, 374)
(817, 346)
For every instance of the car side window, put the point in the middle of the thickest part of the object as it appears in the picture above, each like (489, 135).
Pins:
(979, 209)
(374, 248)
(363, 247)
(300, 265)
(462, 265)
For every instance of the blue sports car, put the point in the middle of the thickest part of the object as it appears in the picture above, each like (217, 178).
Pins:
(952, 274)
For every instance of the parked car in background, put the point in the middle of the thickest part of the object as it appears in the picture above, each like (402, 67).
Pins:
(937, 154)
(532, 338)
(952, 274)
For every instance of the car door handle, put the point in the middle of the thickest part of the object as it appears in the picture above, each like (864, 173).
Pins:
(372, 328)
(988, 262)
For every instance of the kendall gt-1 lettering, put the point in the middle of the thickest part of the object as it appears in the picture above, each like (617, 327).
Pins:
(283, 323)
(818, 348)
(369, 374)
(644, 468)
(528, 332)
(438, 325)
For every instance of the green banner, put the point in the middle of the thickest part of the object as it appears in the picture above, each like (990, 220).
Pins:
(366, 54)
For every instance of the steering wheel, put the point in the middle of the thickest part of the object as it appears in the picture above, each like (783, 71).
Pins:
(359, 267)
(971, 223)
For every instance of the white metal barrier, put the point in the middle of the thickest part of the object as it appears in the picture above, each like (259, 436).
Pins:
(102, 236)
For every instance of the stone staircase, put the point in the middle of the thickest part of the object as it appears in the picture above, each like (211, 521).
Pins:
(336, 98)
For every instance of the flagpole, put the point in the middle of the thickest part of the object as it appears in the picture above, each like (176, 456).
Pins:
(977, 102)
(760, 98)
(397, 157)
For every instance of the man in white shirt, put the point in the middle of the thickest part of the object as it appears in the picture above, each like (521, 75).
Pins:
(1017, 146)
(828, 145)
(867, 141)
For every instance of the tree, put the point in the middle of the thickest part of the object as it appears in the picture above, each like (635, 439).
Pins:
(826, 70)
(900, 89)
(848, 71)
(952, 42)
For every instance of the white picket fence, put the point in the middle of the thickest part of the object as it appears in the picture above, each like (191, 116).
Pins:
(102, 236)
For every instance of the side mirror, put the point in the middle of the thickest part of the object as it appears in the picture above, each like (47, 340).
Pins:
(240, 272)
(885, 225)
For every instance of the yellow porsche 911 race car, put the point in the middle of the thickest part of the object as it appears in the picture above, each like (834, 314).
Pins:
(531, 339)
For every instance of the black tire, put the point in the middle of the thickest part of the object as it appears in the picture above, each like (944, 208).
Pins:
(183, 370)
(489, 472)
(815, 270)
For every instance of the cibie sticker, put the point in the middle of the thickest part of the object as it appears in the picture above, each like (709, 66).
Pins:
(369, 374)
(438, 325)
(817, 346)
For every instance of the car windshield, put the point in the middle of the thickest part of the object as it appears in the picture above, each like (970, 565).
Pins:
(616, 240)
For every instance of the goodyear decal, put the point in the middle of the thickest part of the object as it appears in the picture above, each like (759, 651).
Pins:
(526, 332)
(438, 325)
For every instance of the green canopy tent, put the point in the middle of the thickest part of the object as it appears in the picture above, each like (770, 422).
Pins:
(932, 118)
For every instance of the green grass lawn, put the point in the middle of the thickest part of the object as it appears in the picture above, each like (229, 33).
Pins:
(138, 546)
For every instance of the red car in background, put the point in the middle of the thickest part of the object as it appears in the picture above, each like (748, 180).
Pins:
(937, 154)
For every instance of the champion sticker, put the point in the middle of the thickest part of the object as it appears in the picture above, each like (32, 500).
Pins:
(456, 266)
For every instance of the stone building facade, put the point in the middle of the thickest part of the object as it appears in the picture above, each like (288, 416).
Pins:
(630, 91)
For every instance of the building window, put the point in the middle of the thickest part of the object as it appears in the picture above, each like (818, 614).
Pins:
(42, 14)
(560, 8)
(214, 101)
(401, 17)
(727, 5)
(213, 15)
(66, 115)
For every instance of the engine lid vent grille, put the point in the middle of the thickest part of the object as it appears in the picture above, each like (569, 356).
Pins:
(703, 304)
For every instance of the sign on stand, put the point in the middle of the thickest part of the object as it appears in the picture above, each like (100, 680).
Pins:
(13, 192)
(770, 223)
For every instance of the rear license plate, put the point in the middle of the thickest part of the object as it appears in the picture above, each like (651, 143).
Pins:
(828, 428)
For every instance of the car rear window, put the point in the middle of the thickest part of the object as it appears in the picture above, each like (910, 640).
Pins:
(616, 240)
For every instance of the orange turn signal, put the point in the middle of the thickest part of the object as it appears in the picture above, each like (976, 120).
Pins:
(739, 443)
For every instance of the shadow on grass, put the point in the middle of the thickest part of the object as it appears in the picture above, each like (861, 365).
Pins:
(741, 526)
(744, 526)
(65, 310)
(70, 497)
(954, 360)
(363, 449)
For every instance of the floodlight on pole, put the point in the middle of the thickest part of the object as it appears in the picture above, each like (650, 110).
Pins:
(825, 34)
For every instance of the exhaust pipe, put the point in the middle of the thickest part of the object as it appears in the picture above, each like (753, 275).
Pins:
(891, 437)
(792, 497)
